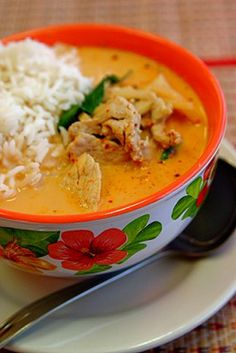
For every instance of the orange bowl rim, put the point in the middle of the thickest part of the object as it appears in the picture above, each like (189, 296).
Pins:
(164, 193)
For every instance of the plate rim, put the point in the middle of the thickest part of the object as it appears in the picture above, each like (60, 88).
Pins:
(187, 326)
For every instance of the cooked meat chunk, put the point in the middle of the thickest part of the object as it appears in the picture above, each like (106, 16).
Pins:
(160, 110)
(165, 139)
(160, 113)
(163, 89)
(154, 111)
(114, 129)
(124, 125)
(130, 92)
(145, 100)
(84, 179)
(100, 149)
(83, 142)
(88, 126)
(89, 181)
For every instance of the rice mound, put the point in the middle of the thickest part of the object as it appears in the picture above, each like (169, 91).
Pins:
(36, 84)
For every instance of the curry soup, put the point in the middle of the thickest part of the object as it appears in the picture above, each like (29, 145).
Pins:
(123, 182)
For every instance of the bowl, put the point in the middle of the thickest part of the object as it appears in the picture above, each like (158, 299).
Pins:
(54, 245)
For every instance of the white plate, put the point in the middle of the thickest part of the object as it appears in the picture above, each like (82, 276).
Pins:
(148, 308)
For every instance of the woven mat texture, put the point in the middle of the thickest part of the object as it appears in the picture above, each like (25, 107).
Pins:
(207, 28)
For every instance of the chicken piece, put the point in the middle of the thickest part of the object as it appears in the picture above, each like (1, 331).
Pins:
(156, 120)
(100, 149)
(83, 142)
(101, 113)
(165, 139)
(113, 133)
(124, 125)
(160, 110)
(89, 181)
(155, 103)
(143, 106)
(160, 113)
(146, 101)
(84, 179)
(163, 89)
(130, 92)
(88, 126)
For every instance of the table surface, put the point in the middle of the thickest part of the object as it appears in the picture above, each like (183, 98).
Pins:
(208, 29)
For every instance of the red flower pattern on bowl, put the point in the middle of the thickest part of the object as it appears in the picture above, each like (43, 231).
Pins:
(80, 250)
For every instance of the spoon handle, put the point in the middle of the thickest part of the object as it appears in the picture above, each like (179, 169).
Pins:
(31, 314)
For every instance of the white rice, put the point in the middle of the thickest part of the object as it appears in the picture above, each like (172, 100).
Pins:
(36, 84)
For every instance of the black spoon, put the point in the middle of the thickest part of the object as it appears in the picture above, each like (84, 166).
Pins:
(212, 226)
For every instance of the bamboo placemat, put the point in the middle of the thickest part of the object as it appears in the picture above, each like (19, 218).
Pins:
(207, 28)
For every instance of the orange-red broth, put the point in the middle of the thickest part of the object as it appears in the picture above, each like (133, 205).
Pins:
(125, 182)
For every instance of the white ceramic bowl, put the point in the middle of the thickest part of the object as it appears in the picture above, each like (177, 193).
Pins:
(88, 244)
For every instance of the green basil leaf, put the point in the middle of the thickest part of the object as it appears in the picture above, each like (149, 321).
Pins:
(167, 153)
(91, 101)
(94, 98)
(69, 117)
